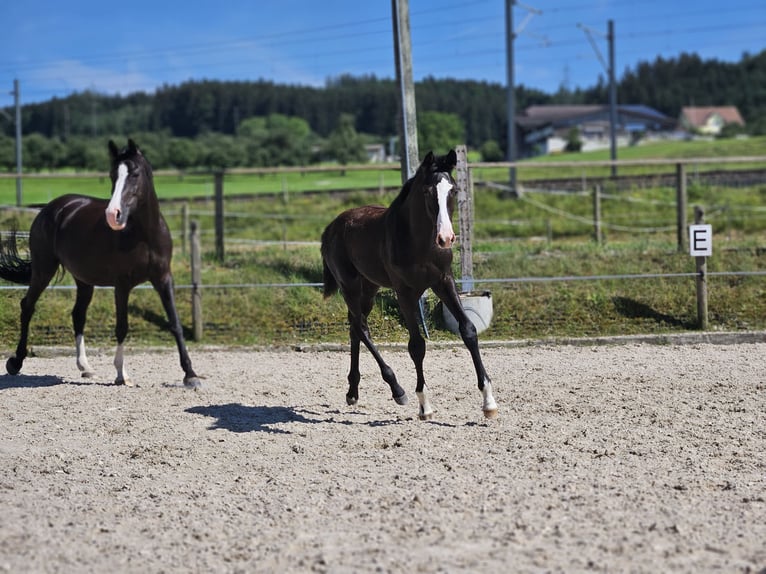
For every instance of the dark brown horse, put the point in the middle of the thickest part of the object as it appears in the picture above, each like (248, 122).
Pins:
(407, 247)
(119, 242)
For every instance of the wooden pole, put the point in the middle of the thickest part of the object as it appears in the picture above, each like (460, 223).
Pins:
(408, 125)
(597, 214)
(681, 207)
(184, 227)
(196, 272)
(219, 216)
(702, 315)
(465, 217)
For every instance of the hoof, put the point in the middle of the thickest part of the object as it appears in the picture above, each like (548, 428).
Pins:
(402, 399)
(490, 413)
(123, 382)
(13, 366)
(193, 383)
(87, 374)
(351, 400)
(426, 416)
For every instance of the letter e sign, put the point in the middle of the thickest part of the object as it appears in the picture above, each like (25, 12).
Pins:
(701, 240)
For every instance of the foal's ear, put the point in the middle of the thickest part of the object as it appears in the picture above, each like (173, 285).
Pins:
(113, 151)
(451, 159)
(428, 160)
(132, 147)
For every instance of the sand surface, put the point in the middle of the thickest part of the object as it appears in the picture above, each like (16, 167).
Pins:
(627, 458)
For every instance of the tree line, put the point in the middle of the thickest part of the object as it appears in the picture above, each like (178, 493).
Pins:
(218, 124)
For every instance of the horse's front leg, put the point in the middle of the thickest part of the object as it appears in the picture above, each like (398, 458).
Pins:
(447, 292)
(79, 314)
(121, 294)
(417, 348)
(165, 288)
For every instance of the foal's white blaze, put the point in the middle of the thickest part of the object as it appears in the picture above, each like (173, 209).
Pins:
(113, 209)
(82, 359)
(445, 235)
(119, 364)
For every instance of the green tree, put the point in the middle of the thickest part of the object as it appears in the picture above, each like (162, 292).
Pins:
(344, 144)
(7, 153)
(182, 153)
(491, 151)
(276, 140)
(439, 132)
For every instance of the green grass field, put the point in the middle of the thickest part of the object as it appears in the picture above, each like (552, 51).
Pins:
(540, 236)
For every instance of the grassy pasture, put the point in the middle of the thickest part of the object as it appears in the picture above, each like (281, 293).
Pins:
(542, 235)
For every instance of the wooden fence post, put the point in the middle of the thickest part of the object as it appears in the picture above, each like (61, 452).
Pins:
(196, 273)
(702, 318)
(465, 216)
(681, 206)
(597, 213)
(184, 227)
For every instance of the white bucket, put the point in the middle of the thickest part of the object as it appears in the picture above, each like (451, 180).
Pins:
(478, 307)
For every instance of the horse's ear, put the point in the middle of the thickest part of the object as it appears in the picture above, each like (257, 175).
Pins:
(132, 147)
(113, 151)
(451, 159)
(428, 160)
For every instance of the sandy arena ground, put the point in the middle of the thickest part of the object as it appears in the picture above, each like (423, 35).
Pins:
(619, 458)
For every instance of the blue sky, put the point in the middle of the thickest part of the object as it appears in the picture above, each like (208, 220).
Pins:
(57, 48)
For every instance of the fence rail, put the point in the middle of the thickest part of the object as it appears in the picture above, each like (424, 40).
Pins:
(466, 177)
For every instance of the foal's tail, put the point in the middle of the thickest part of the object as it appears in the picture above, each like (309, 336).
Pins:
(330, 284)
(12, 267)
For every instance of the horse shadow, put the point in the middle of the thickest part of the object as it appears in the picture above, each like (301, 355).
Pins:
(238, 418)
(30, 381)
(636, 310)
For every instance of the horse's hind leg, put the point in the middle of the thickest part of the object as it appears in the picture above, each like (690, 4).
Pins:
(165, 289)
(359, 306)
(352, 396)
(447, 292)
(79, 314)
(40, 280)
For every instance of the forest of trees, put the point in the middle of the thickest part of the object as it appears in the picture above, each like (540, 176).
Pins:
(225, 124)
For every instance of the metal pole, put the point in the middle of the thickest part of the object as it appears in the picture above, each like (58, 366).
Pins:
(612, 100)
(510, 153)
(219, 215)
(196, 273)
(17, 103)
(701, 264)
(681, 206)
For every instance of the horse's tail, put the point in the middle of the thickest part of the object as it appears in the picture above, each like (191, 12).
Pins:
(330, 284)
(12, 267)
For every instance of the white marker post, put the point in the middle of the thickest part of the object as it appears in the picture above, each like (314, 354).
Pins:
(701, 247)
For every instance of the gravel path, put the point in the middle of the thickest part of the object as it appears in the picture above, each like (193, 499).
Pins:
(623, 458)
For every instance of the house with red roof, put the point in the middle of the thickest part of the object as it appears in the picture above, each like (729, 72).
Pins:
(709, 120)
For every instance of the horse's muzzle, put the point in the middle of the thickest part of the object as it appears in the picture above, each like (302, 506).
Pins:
(113, 217)
(445, 240)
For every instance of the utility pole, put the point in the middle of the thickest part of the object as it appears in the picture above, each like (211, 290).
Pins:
(510, 35)
(609, 69)
(408, 126)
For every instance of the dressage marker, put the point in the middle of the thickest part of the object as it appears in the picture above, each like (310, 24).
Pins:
(118, 242)
(406, 247)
